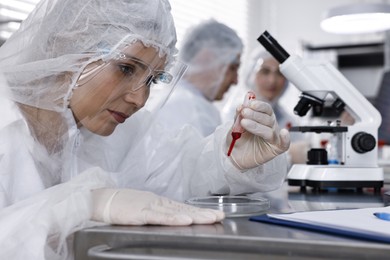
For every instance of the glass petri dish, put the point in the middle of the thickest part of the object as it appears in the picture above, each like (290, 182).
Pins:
(233, 206)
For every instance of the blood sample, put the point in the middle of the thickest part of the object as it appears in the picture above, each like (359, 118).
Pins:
(237, 128)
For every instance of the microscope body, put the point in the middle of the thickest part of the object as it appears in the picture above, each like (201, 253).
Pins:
(357, 149)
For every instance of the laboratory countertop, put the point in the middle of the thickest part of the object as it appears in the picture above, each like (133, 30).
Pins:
(240, 238)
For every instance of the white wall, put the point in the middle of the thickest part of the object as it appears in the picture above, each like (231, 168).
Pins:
(233, 13)
(293, 22)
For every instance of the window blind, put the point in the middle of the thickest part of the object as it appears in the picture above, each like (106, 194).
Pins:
(11, 13)
(233, 13)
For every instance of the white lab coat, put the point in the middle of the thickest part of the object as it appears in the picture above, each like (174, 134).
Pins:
(187, 105)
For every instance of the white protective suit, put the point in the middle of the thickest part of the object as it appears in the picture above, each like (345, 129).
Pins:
(208, 49)
(44, 194)
(48, 163)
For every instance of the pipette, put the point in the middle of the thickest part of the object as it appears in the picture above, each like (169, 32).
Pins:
(237, 128)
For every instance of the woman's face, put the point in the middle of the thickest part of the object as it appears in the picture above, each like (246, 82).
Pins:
(270, 83)
(110, 92)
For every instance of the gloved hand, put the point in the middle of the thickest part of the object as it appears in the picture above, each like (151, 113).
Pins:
(262, 140)
(133, 207)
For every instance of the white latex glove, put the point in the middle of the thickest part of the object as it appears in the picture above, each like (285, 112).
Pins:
(262, 140)
(133, 207)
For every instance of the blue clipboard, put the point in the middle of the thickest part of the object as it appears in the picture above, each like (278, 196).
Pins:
(322, 229)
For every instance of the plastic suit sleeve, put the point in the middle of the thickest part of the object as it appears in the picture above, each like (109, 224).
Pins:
(39, 227)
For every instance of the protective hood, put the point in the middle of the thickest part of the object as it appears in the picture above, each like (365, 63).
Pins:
(42, 63)
(208, 49)
(60, 37)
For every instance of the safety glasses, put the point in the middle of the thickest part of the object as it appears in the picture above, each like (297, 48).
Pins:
(120, 72)
(137, 73)
(128, 70)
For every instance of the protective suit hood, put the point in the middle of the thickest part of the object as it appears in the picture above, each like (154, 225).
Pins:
(60, 37)
(41, 63)
(208, 49)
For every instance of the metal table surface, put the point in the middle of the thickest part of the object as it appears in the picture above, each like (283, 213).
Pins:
(239, 238)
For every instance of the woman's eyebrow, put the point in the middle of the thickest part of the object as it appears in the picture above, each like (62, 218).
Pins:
(139, 61)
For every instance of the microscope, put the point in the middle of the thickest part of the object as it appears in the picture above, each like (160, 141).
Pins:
(357, 152)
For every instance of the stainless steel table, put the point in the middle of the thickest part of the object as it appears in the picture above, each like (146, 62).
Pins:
(239, 238)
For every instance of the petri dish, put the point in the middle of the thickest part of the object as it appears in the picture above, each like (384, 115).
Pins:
(233, 206)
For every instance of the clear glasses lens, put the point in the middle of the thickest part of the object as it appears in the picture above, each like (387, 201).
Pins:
(127, 72)
(138, 73)
(163, 77)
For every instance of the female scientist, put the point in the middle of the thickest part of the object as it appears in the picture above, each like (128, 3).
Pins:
(75, 70)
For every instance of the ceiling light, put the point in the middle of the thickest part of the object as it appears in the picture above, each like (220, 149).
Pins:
(357, 18)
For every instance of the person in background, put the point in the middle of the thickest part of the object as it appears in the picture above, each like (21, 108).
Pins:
(72, 76)
(212, 52)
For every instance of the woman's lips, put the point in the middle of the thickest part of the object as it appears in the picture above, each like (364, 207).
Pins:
(118, 116)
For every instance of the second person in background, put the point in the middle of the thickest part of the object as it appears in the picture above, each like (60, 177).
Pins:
(212, 52)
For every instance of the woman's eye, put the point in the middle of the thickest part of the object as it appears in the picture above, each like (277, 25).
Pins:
(127, 69)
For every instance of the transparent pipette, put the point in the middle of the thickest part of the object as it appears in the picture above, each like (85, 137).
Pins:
(237, 128)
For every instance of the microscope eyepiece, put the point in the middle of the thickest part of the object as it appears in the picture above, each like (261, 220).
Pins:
(273, 47)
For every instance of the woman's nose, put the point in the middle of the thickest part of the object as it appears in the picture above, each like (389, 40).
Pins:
(272, 77)
(138, 97)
